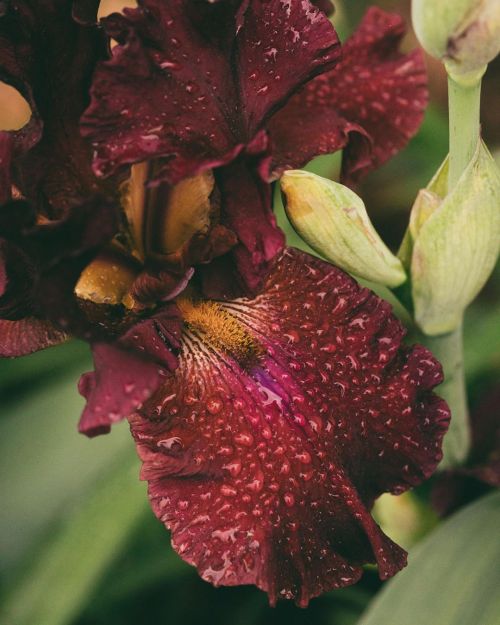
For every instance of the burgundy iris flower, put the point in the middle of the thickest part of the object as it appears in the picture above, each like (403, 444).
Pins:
(54, 213)
(269, 395)
(231, 86)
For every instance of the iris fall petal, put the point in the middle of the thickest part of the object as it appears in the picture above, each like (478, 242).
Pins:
(287, 416)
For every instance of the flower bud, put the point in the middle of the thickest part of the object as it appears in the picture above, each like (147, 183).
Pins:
(332, 219)
(453, 241)
(465, 34)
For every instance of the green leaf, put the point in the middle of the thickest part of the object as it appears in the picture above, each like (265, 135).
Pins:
(64, 572)
(45, 464)
(482, 340)
(453, 576)
(40, 366)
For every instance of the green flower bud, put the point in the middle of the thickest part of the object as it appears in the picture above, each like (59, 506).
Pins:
(426, 202)
(465, 34)
(453, 242)
(332, 219)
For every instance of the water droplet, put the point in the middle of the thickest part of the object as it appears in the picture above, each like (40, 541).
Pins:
(271, 53)
(289, 499)
(171, 65)
(266, 433)
(228, 491)
(214, 405)
(234, 467)
(285, 467)
(171, 444)
(304, 457)
(226, 536)
(257, 484)
(300, 419)
(225, 450)
(244, 438)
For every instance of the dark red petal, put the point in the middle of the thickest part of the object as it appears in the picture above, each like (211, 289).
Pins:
(83, 228)
(308, 126)
(44, 261)
(85, 11)
(151, 287)
(150, 99)
(197, 90)
(49, 58)
(17, 278)
(19, 338)
(5, 166)
(121, 381)
(14, 71)
(281, 45)
(371, 104)
(264, 463)
(246, 210)
(129, 371)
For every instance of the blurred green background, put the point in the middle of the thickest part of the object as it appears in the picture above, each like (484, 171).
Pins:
(79, 544)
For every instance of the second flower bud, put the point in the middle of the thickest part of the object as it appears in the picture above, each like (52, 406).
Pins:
(333, 220)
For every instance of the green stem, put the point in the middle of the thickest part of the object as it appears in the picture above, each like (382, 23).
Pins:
(464, 95)
(464, 98)
(448, 349)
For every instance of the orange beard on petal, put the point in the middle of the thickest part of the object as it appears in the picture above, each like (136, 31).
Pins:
(219, 328)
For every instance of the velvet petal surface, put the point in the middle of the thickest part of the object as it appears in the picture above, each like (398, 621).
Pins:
(129, 371)
(370, 104)
(6, 141)
(287, 416)
(49, 58)
(28, 335)
(40, 264)
(195, 91)
(246, 210)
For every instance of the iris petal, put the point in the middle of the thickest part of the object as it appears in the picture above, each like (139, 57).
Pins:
(287, 416)
(129, 371)
(27, 335)
(370, 104)
(49, 58)
(165, 92)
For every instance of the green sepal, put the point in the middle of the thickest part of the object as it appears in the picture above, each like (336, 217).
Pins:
(455, 240)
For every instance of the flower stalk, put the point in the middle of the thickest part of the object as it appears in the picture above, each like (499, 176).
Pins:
(448, 349)
(464, 97)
